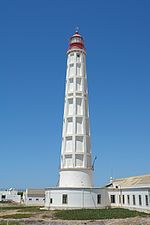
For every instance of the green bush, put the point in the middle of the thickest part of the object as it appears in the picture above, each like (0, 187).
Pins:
(16, 216)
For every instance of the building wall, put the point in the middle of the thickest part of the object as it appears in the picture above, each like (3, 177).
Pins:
(76, 198)
(131, 198)
(87, 198)
(34, 197)
(10, 196)
(34, 201)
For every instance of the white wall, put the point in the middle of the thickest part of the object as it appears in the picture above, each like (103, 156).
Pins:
(32, 198)
(34, 201)
(119, 193)
(87, 198)
(10, 196)
(77, 198)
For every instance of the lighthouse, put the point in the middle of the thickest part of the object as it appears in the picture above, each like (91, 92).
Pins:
(75, 187)
(75, 166)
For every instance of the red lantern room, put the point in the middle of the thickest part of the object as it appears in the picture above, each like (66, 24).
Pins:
(76, 41)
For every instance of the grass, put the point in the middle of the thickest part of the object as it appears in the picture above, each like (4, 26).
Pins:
(96, 214)
(16, 216)
(11, 207)
(78, 214)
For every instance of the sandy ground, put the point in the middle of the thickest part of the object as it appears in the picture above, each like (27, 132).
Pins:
(129, 221)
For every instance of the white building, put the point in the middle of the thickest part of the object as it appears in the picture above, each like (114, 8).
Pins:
(10, 195)
(130, 192)
(75, 188)
(76, 198)
(34, 197)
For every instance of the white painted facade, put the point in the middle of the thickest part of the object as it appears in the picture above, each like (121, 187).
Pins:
(76, 198)
(10, 195)
(34, 197)
(34, 201)
(130, 192)
(131, 198)
(76, 167)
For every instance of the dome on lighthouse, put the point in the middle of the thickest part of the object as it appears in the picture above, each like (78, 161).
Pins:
(76, 41)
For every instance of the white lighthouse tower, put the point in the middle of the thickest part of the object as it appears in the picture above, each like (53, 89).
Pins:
(76, 169)
(75, 188)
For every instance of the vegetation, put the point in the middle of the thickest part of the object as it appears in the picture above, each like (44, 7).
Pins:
(6, 202)
(96, 214)
(9, 223)
(16, 216)
(21, 211)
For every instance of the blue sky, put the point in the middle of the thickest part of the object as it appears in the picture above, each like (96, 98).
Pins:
(33, 42)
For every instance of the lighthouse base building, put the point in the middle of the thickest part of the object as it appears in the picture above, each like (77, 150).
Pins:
(130, 193)
(76, 198)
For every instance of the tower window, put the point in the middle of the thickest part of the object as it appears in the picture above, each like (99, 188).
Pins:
(64, 199)
(99, 199)
(71, 65)
(51, 200)
(78, 55)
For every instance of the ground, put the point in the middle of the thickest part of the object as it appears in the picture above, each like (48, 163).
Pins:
(12, 214)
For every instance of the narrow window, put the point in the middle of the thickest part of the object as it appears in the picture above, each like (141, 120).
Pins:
(123, 199)
(37, 199)
(98, 199)
(112, 198)
(78, 65)
(146, 200)
(71, 65)
(51, 200)
(30, 199)
(140, 200)
(128, 199)
(119, 199)
(78, 69)
(78, 55)
(64, 199)
(134, 203)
